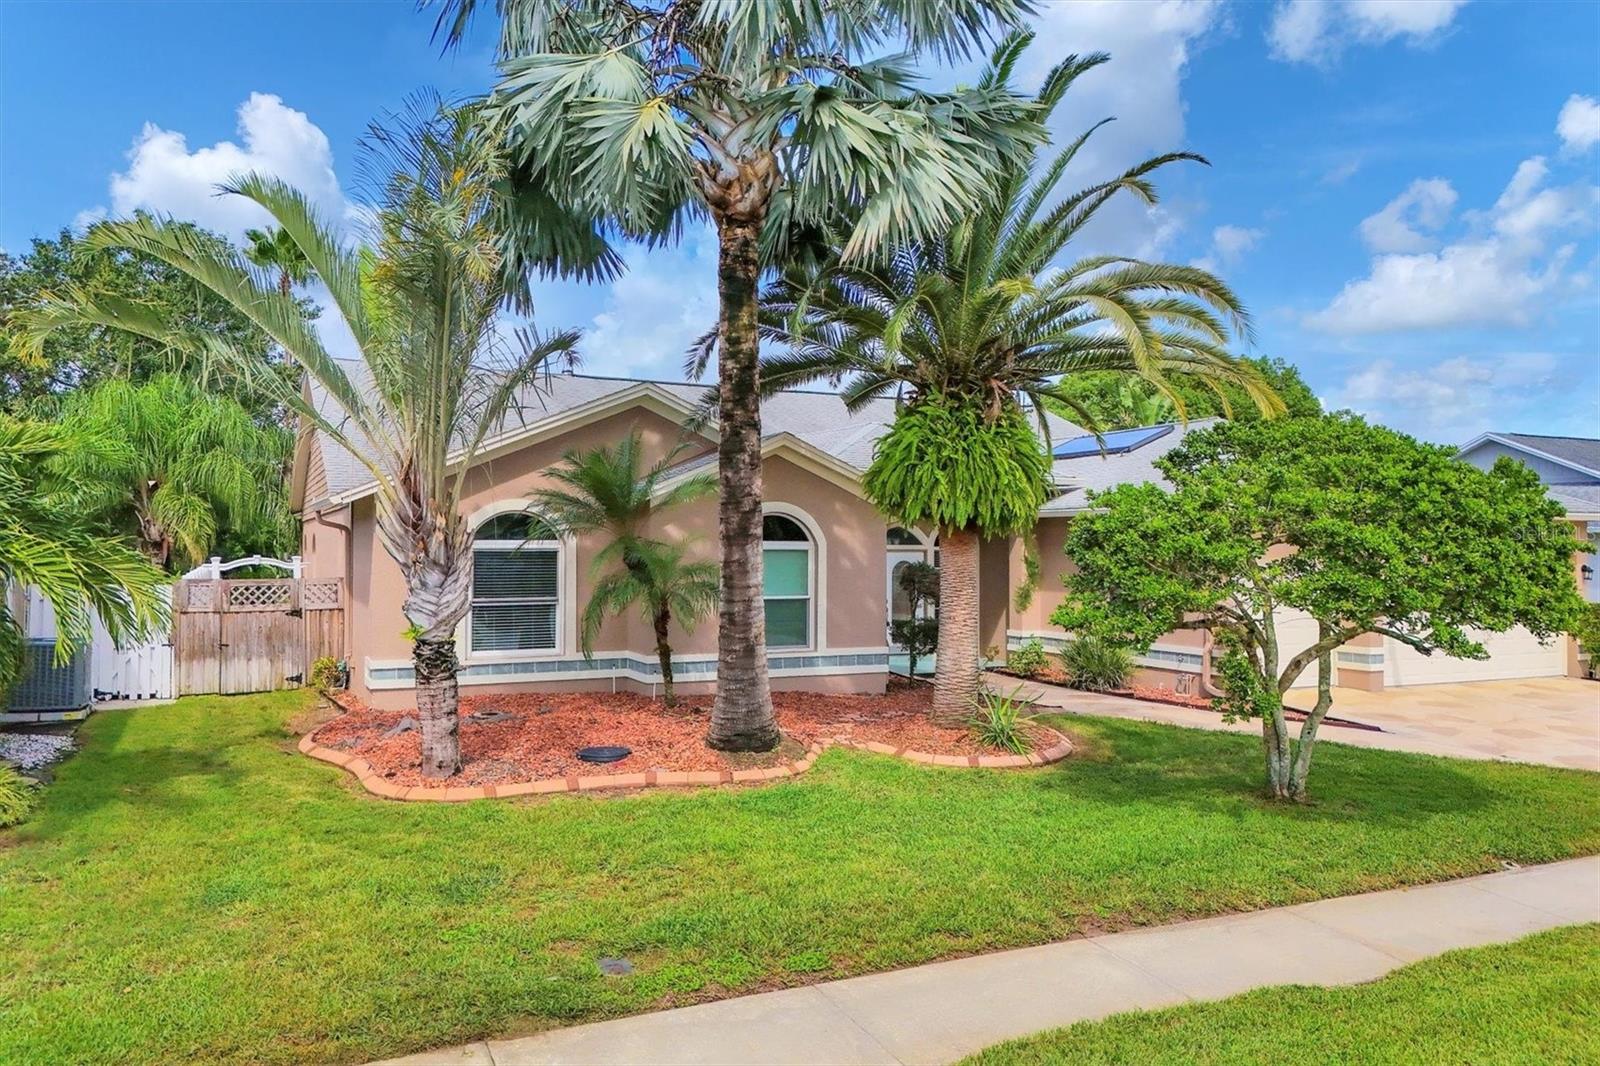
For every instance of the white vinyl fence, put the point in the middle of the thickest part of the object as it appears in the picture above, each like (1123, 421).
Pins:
(135, 672)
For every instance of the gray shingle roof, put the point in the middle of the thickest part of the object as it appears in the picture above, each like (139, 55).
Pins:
(1581, 451)
(1577, 499)
(816, 418)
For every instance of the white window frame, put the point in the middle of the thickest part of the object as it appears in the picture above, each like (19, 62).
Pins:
(816, 560)
(564, 598)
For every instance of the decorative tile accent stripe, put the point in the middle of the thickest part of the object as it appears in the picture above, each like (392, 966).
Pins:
(1369, 658)
(381, 786)
(644, 669)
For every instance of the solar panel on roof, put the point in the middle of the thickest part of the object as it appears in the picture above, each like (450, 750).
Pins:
(1117, 442)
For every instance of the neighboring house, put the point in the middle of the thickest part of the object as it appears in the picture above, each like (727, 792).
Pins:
(832, 558)
(1570, 470)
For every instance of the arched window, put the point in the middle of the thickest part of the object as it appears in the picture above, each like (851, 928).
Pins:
(789, 579)
(900, 536)
(516, 582)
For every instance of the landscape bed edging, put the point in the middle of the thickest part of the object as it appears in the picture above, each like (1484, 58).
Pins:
(383, 787)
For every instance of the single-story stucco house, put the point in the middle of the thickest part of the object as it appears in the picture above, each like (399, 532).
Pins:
(831, 558)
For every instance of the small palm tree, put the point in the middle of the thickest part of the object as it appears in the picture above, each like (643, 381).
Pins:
(605, 490)
(766, 119)
(421, 302)
(175, 465)
(973, 328)
(274, 249)
(48, 543)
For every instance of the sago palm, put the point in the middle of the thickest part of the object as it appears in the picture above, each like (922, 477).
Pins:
(421, 302)
(49, 544)
(175, 465)
(608, 491)
(765, 119)
(974, 327)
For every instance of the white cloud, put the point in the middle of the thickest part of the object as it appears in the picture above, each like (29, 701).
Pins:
(1425, 205)
(1454, 398)
(667, 298)
(1318, 31)
(1142, 87)
(1507, 268)
(1579, 123)
(1228, 245)
(163, 175)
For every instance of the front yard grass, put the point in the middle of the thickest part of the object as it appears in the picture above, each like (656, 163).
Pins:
(191, 887)
(1534, 1001)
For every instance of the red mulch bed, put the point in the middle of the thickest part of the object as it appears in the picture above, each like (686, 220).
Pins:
(545, 730)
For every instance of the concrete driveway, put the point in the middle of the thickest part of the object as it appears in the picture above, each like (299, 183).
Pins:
(1554, 720)
(1550, 720)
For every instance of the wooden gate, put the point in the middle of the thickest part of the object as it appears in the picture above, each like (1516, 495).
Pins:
(254, 636)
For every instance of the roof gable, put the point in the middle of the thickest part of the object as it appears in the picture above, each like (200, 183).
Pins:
(1579, 454)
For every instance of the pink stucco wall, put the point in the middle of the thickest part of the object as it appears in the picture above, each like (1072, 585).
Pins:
(848, 601)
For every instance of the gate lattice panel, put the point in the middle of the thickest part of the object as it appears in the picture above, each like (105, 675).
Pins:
(254, 635)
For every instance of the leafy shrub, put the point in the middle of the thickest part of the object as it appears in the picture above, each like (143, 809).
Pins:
(1094, 665)
(16, 797)
(1028, 659)
(326, 673)
(998, 720)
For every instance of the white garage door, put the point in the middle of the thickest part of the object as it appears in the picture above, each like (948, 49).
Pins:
(1297, 631)
(1514, 653)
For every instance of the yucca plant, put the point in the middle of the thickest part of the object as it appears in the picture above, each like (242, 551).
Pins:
(999, 720)
(420, 299)
(975, 328)
(609, 491)
(770, 120)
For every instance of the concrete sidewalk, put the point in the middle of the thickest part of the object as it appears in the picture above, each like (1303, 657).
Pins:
(943, 1011)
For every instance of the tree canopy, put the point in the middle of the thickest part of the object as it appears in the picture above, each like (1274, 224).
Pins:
(1116, 401)
(1361, 527)
(36, 369)
(177, 467)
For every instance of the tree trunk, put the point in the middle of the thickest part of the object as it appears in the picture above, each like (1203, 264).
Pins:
(663, 621)
(956, 672)
(435, 665)
(1308, 732)
(741, 716)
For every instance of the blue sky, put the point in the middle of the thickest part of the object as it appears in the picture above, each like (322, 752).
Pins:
(1403, 192)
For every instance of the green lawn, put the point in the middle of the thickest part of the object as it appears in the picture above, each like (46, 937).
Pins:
(193, 888)
(1534, 1001)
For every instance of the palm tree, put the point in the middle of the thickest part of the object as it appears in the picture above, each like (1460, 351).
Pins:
(175, 464)
(604, 490)
(764, 119)
(274, 249)
(975, 326)
(47, 542)
(436, 375)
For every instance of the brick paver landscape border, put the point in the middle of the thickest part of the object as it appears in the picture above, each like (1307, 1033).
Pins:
(381, 786)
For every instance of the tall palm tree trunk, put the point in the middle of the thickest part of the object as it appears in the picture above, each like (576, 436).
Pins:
(741, 716)
(956, 673)
(435, 665)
